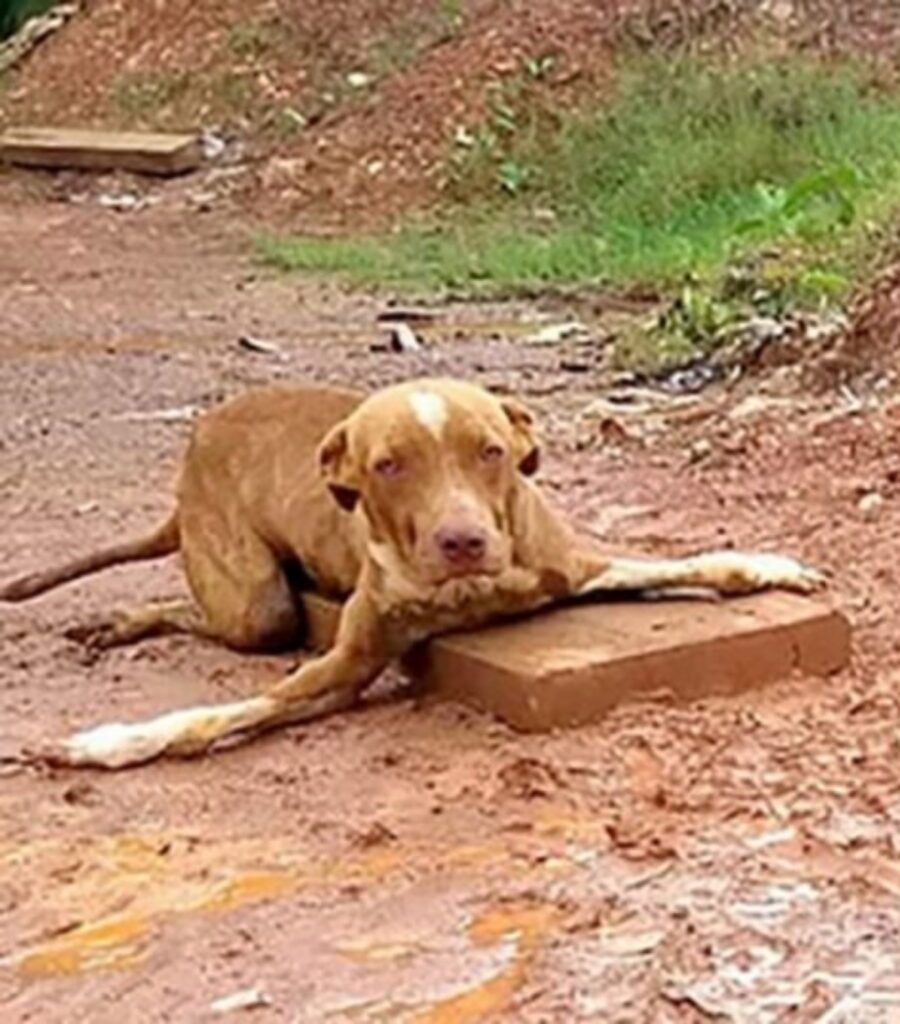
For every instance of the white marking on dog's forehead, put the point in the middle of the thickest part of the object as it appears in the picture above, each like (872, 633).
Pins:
(430, 410)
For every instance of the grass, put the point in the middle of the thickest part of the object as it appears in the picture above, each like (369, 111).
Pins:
(143, 95)
(657, 186)
(253, 40)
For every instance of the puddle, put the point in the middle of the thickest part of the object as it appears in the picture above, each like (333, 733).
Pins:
(142, 874)
(120, 891)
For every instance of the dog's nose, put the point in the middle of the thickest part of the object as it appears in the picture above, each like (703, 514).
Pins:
(466, 546)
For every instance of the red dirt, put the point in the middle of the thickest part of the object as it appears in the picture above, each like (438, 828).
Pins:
(412, 862)
(370, 153)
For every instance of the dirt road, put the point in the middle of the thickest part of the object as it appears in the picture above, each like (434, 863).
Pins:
(412, 862)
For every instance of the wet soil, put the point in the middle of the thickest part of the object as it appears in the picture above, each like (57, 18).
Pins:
(735, 859)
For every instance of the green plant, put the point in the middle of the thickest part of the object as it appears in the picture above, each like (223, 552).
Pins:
(657, 183)
(512, 177)
(451, 11)
(817, 202)
(698, 315)
(539, 68)
(484, 161)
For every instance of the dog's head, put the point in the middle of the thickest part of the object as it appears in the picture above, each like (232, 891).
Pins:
(434, 466)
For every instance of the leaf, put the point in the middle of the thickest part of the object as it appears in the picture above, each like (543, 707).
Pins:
(832, 183)
(513, 177)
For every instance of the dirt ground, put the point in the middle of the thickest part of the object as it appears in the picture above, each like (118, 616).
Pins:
(735, 860)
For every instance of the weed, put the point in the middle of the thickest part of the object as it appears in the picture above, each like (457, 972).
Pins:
(539, 68)
(485, 160)
(689, 169)
(451, 11)
(699, 316)
(816, 204)
(394, 51)
(142, 96)
(286, 122)
(512, 177)
(252, 40)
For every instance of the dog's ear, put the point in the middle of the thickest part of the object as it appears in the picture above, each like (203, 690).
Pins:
(334, 465)
(525, 451)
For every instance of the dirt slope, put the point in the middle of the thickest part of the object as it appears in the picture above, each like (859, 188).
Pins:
(358, 102)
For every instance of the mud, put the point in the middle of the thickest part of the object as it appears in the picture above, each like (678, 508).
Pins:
(732, 859)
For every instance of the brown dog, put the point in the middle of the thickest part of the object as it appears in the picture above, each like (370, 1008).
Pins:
(416, 502)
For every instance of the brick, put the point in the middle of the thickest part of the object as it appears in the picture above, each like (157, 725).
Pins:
(570, 666)
(143, 152)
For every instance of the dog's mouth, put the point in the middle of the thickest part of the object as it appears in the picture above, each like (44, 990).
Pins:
(450, 573)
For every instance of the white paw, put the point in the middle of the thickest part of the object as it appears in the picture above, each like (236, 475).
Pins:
(748, 572)
(787, 574)
(115, 745)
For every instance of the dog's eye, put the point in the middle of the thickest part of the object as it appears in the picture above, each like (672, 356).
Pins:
(492, 453)
(388, 467)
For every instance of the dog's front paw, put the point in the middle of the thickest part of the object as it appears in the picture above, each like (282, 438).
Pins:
(783, 573)
(733, 573)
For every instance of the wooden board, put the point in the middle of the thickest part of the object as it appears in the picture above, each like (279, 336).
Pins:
(572, 665)
(143, 152)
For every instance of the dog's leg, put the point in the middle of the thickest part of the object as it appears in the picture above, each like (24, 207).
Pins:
(319, 687)
(157, 619)
(726, 572)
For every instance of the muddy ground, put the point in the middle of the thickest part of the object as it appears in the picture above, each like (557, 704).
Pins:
(735, 860)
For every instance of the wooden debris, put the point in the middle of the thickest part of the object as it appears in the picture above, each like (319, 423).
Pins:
(254, 344)
(142, 152)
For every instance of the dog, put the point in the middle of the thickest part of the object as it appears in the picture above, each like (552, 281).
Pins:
(417, 504)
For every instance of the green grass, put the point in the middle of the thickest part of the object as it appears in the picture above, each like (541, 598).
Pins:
(656, 186)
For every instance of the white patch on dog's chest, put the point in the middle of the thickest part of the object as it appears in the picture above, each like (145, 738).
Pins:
(430, 410)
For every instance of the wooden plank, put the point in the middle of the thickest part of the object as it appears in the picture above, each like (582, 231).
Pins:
(143, 152)
(570, 666)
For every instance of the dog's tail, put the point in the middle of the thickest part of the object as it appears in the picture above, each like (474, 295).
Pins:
(163, 541)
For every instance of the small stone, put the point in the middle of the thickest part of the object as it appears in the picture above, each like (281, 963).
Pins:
(553, 334)
(870, 505)
(700, 449)
(213, 145)
(246, 999)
